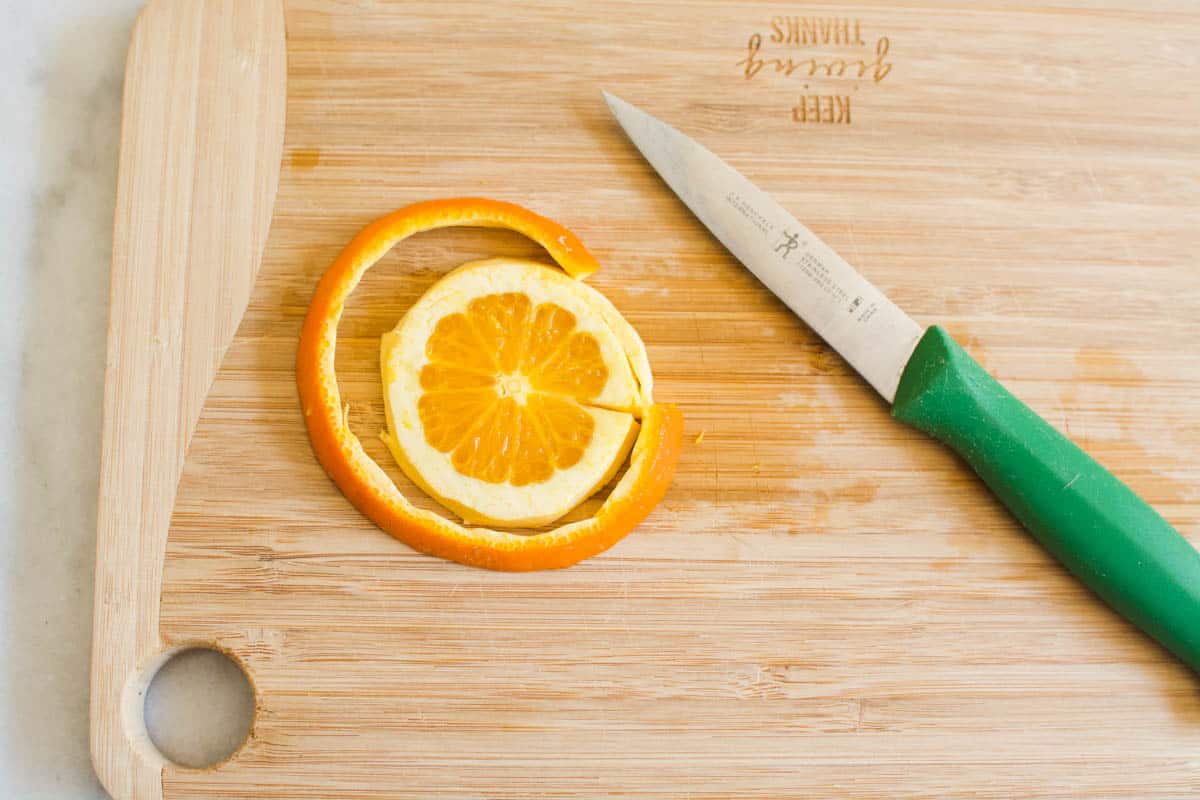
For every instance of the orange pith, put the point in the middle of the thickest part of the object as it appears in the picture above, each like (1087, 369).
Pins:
(503, 387)
(364, 483)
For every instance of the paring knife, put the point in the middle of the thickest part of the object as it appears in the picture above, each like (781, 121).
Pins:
(1092, 522)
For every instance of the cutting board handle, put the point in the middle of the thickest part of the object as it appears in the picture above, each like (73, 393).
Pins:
(201, 146)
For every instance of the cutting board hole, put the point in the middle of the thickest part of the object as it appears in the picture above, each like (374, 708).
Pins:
(199, 708)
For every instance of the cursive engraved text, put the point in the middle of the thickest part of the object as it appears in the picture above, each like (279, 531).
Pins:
(877, 68)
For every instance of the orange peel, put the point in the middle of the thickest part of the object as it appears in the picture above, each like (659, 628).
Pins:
(367, 486)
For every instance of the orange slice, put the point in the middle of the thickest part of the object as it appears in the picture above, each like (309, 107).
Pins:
(509, 399)
(551, 390)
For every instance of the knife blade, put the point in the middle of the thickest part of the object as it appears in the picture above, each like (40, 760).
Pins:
(1110, 538)
(871, 332)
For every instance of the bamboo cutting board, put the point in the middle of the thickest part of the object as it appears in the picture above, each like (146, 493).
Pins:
(826, 604)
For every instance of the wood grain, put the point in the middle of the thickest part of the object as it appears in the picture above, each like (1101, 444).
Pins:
(827, 604)
(201, 145)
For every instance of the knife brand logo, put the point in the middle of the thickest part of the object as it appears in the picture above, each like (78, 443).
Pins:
(787, 244)
(825, 100)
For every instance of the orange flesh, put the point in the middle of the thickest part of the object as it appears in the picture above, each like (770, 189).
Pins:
(503, 388)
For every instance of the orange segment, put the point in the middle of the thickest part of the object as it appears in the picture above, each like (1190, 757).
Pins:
(437, 377)
(482, 452)
(567, 427)
(448, 417)
(457, 341)
(535, 459)
(502, 321)
(550, 327)
(575, 369)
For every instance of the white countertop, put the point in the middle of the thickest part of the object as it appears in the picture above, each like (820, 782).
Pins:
(63, 63)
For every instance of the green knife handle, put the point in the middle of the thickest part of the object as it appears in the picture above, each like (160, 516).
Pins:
(1092, 522)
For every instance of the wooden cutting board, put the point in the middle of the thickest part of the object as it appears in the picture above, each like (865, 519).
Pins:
(826, 604)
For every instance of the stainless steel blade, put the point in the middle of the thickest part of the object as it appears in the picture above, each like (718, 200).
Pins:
(855, 318)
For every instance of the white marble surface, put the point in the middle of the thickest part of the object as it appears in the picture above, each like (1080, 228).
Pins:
(62, 63)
